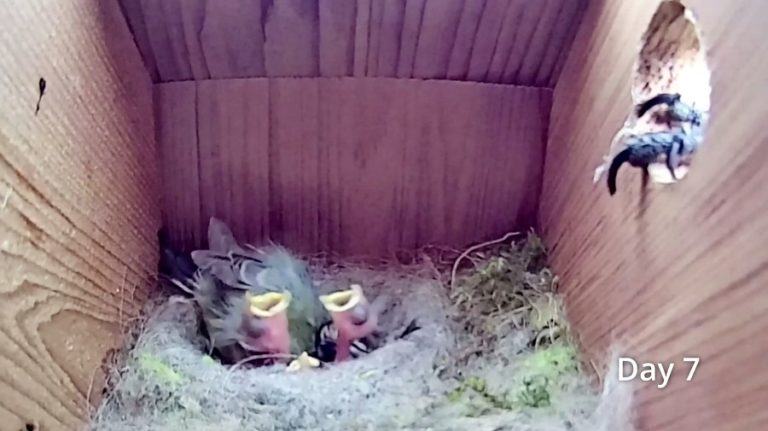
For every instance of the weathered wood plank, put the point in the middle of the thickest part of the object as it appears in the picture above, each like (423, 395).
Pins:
(374, 37)
(436, 38)
(560, 42)
(79, 204)
(337, 37)
(458, 64)
(540, 40)
(135, 18)
(510, 31)
(232, 38)
(176, 117)
(294, 166)
(363, 166)
(527, 25)
(477, 40)
(485, 38)
(389, 37)
(291, 38)
(409, 37)
(233, 132)
(362, 36)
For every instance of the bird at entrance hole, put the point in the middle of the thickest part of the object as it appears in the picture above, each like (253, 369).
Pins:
(664, 130)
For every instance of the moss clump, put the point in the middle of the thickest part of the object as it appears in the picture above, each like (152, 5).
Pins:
(539, 379)
(159, 370)
(503, 288)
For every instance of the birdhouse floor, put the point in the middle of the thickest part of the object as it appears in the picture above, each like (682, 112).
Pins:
(442, 376)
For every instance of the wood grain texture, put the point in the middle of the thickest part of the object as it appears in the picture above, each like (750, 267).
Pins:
(232, 38)
(356, 166)
(291, 38)
(362, 37)
(409, 37)
(337, 37)
(458, 64)
(79, 204)
(676, 270)
(436, 38)
(503, 41)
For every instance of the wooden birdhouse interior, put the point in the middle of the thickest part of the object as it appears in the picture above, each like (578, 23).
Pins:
(628, 135)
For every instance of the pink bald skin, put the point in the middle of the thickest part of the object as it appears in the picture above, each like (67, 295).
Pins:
(353, 324)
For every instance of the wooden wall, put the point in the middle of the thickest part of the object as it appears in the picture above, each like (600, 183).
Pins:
(522, 42)
(677, 270)
(78, 204)
(356, 166)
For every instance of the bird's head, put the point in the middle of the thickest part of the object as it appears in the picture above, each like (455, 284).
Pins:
(266, 322)
(352, 315)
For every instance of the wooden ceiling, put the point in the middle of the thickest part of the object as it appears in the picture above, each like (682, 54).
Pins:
(522, 42)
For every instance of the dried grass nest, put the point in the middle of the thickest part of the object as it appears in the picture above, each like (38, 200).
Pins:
(493, 351)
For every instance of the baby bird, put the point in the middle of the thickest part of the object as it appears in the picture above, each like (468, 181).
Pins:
(240, 324)
(353, 317)
(249, 292)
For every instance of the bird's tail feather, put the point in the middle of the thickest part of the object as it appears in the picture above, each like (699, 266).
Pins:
(613, 170)
(175, 267)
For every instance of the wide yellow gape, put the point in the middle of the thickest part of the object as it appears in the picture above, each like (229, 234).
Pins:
(269, 304)
(342, 300)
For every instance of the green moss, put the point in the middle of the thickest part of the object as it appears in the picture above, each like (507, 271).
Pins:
(159, 370)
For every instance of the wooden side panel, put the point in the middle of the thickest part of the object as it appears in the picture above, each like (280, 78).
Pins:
(356, 166)
(677, 270)
(79, 204)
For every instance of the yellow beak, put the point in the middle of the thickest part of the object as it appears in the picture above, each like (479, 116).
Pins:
(269, 304)
(342, 300)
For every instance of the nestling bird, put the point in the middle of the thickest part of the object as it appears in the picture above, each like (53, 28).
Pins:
(679, 138)
(354, 318)
(241, 277)
(240, 324)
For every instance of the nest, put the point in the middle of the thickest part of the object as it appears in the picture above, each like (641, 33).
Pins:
(492, 351)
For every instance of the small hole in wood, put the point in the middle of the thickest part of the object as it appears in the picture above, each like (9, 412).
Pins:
(671, 95)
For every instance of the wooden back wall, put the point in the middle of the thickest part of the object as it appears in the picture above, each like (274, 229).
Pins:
(678, 270)
(355, 166)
